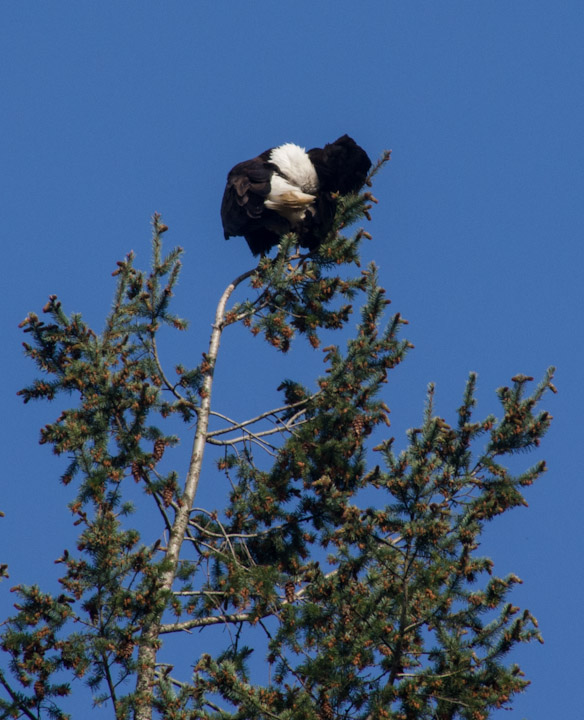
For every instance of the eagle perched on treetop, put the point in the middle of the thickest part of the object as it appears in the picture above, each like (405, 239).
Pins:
(288, 188)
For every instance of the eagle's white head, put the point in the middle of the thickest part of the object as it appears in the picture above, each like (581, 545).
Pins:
(295, 165)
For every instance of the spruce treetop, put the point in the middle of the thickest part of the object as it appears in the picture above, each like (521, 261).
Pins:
(338, 578)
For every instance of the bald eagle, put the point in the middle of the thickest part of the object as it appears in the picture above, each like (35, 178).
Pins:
(287, 188)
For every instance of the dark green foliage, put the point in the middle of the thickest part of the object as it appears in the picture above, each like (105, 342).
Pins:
(347, 580)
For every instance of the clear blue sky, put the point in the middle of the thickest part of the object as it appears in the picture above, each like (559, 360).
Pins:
(111, 111)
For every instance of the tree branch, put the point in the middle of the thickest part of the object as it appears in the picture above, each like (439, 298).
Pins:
(251, 421)
(166, 381)
(147, 647)
(286, 427)
(23, 709)
(213, 620)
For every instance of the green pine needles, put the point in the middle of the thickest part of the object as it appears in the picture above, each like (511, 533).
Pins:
(337, 579)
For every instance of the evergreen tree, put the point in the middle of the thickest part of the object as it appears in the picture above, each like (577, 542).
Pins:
(346, 575)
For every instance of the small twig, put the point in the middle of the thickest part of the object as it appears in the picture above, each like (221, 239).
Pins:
(161, 507)
(166, 381)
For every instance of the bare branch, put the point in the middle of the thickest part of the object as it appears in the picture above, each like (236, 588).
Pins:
(262, 433)
(213, 620)
(178, 532)
(243, 536)
(251, 421)
(197, 593)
